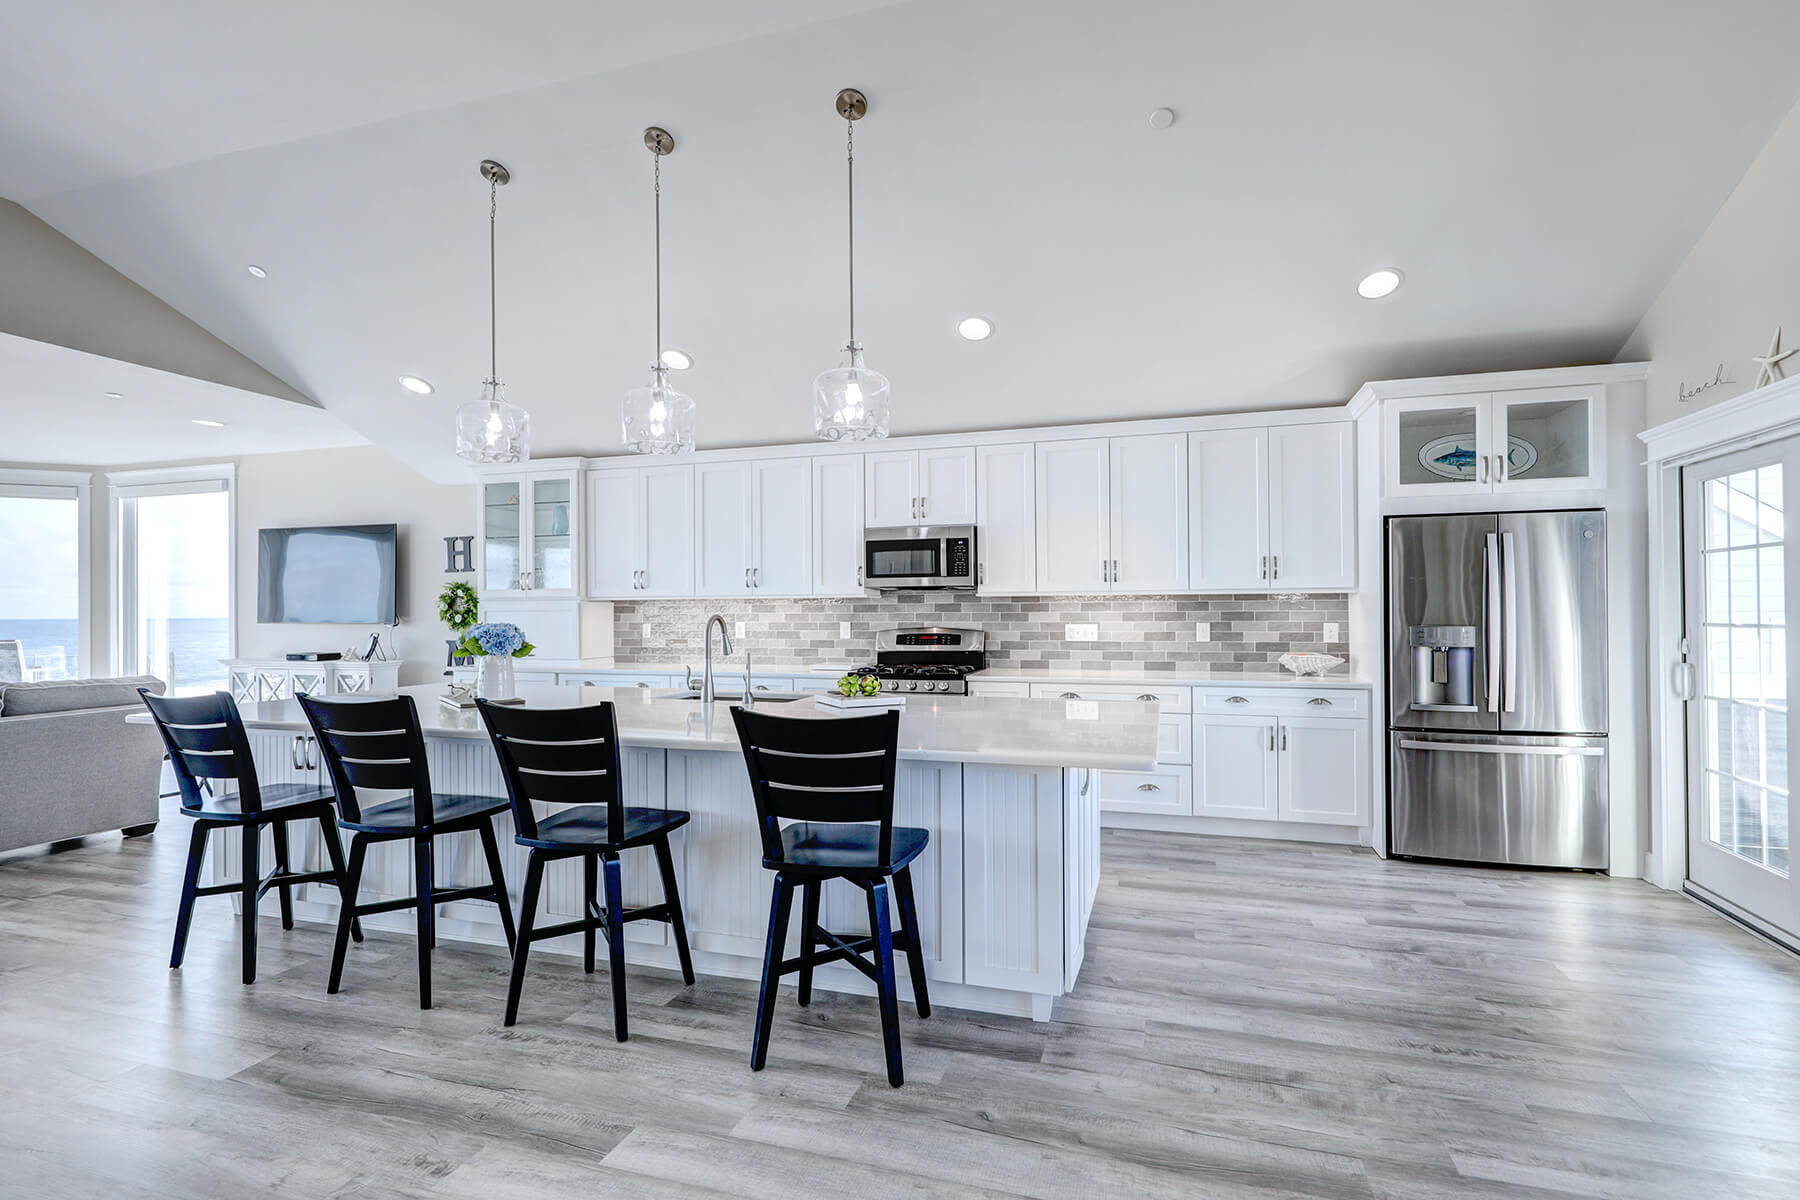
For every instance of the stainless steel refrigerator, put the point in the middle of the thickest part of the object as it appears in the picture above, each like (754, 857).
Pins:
(1496, 626)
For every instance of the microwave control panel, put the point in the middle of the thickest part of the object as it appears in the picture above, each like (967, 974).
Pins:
(956, 552)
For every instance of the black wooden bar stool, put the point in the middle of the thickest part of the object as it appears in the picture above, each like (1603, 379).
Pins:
(834, 778)
(205, 738)
(377, 744)
(571, 756)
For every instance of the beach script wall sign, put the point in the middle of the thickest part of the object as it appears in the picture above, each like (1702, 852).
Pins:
(1718, 380)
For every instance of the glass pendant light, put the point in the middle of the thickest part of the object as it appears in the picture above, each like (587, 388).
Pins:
(657, 419)
(850, 402)
(490, 430)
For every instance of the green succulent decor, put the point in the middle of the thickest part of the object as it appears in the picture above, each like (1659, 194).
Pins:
(459, 607)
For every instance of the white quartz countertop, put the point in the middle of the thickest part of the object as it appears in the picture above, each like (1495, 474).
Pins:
(1199, 674)
(993, 731)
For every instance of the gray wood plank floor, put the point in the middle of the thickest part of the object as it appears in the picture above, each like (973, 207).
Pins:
(1254, 1019)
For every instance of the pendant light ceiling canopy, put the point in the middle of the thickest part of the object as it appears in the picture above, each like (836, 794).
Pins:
(656, 418)
(850, 402)
(490, 430)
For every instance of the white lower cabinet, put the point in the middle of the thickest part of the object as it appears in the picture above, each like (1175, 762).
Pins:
(1268, 763)
(1234, 757)
(1165, 790)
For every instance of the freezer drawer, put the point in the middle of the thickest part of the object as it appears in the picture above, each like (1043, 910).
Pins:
(1525, 801)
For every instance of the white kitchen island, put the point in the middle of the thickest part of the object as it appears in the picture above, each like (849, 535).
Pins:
(1004, 785)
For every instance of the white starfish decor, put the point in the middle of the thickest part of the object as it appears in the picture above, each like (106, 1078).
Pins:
(1769, 365)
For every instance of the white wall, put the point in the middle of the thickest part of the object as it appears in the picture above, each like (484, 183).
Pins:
(1739, 282)
(356, 485)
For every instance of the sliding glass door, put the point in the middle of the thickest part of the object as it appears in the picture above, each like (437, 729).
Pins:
(174, 583)
(1739, 553)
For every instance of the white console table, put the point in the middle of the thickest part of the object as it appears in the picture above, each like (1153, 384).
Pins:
(254, 680)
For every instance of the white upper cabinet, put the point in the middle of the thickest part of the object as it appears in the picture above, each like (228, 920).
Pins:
(641, 539)
(666, 522)
(527, 530)
(1149, 513)
(1228, 510)
(749, 522)
(1273, 509)
(838, 498)
(1312, 507)
(914, 487)
(1074, 552)
(722, 528)
(1530, 441)
(1006, 518)
(782, 562)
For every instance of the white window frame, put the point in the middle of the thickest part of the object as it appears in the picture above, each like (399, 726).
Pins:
(66, 485)
(123, 488)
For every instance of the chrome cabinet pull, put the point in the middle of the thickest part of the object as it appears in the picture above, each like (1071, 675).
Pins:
(1147, 696)
(1115, 575)
(1104, 577)
(1320, 700)
(1236, 700)
(294, 753)
(1271, 737)
(859, 577)
(1265, 566)
(1284, 738)
(746, 578)
(1275, 566)
(1484, 468)
(1500, 466)
(981, 573)
(1070, 696)
(1148, 787)
(1087, 779)
(762, 687)
(755, 577)
(642, 684)
(924, 505)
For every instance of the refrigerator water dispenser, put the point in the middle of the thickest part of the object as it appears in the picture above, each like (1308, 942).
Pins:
(1443, 667)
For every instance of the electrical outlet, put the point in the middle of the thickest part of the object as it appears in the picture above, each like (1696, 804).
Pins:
(1331, 631)
(843, 631)
(1203, 631)
(740, 630)
(1081, 633)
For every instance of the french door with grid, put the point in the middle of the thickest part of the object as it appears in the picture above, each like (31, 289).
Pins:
(1740, 551)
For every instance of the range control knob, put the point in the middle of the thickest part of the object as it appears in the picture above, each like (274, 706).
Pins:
(912, 685)
(942, 685)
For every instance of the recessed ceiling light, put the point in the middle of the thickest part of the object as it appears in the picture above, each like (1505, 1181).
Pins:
(1162, 118)
(677, 360)
(115, 395)
(975, 328)
(209, 424)
(413, 383)
(1377, 284)
(257, 271)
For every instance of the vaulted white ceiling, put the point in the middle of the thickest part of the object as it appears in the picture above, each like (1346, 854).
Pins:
(1538, 169)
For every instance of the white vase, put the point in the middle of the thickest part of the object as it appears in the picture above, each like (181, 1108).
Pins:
(496, 681)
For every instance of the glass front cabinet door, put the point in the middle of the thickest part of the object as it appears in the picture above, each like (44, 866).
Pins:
(527, 538)
(1536, 440)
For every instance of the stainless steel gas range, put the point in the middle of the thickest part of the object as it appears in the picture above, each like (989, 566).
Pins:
(929, 658)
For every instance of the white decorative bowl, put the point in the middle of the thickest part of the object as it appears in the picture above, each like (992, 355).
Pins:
(1310, 664)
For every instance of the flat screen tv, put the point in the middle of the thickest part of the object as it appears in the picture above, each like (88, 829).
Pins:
(326, 575)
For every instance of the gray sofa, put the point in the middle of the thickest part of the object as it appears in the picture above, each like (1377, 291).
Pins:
(70, 765)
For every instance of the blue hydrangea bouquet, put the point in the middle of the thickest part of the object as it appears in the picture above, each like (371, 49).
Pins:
(499, 638)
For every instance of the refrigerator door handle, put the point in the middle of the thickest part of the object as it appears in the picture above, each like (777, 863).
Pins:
(1509, 617)
(1492, 621)
(1489, 748)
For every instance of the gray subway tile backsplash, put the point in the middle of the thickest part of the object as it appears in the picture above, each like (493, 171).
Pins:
(1152, 631)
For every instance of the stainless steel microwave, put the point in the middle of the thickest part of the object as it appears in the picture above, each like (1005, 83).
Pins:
(914, 557)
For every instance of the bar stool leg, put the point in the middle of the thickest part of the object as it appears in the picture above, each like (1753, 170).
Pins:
(779, 908)
(497, 874)
(528, 906)
(190, 884)
(590, 879)
(915, 949)
(283, 890)
(881, 925)
(251, 884)
(809, 921)
(334, 850)
(427, 926)
(615, 941)
(665, 862)
(359, 847)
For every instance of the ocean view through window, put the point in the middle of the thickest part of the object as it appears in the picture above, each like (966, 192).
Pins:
(175, 582)
(40, 583)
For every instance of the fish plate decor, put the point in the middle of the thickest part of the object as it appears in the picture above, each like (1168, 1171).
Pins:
(1454, 457)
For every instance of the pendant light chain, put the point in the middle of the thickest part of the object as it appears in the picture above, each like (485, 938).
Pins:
(850, 174)
(657, 154)
(493, 303)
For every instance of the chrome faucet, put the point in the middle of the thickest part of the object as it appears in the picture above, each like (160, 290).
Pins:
(707, 695)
